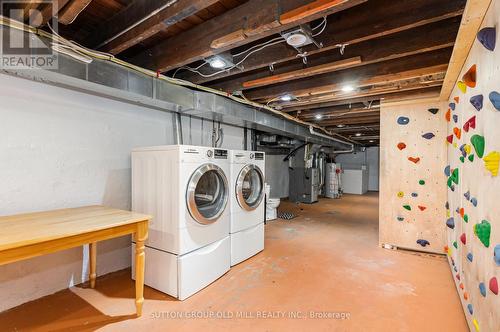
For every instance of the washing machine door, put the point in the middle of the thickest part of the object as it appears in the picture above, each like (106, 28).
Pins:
(207, 194)
(250, 187)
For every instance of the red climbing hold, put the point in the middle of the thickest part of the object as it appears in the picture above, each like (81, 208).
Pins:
(401, 146)
(414, 160)
(494, 285)
(449, 139)
(448, 115)
(471, 123)
(457, 276)
(422, 208)
(463, 238)
(461, 286)
(445, 248)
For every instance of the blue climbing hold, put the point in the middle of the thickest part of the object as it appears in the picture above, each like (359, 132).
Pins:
(455, 118)
(477, 102)
(450, 223)
(487, 37)
(452, 106)
(482, 289)
(467, 195)
(495, 99)
(423, 242)
(414, 195)
(496, 254)
(470, 257)
(473, 200)
(469, 307)
(428, 135)
(447, 170)
(403, 120)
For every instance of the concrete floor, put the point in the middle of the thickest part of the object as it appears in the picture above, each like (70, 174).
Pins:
(322, 271)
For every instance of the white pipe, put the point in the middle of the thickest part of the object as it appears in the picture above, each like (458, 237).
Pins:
(311, 130)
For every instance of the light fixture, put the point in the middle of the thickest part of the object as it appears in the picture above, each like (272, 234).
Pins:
(286, 97)
(220, 61)
(347, 88)
(318, 116)
(340, 126)
(358, 134)
(371, 141)
(217, 63)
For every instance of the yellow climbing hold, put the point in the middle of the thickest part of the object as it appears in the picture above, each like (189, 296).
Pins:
(401, 194)
(447, 213)
(491, 162)
(454, 145)
(462, 86)
(449, 251)
(476, 324)
(467, 149)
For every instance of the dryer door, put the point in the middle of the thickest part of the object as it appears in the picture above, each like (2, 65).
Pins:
(207, 194)
(250, 187)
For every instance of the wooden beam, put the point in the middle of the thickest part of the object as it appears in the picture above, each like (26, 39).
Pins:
(337, 114)
(380, 73)
(71, 11)
(307, 10)
(398, 45)
(257, 18)
(371, 20)
(473, 16)
(48, 11)
(141, 20)
(366, 120)
(296, 74)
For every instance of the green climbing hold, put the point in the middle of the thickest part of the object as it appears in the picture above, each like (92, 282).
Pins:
(483, 231)
(454, 176)
(407, 207)
(471, 158)
(421, 182)
(466, 218)
(449, 183)
(478, 144)
(455, 244)
(462, 159)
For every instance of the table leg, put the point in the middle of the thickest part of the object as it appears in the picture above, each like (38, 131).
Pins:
(140, 237)
(92, 260)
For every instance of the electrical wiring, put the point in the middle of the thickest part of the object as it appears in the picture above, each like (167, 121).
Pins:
(5, 21)
(324, 23)
(258, 45)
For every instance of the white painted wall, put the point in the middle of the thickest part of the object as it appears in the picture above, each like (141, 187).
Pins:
(60, 148)
(370, 158)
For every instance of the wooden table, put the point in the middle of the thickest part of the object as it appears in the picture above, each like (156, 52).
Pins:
(28, 235)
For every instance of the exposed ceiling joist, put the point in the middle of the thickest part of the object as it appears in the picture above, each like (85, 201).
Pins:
(70, 12)
(141, 20)
(374, 19)
(253, 20)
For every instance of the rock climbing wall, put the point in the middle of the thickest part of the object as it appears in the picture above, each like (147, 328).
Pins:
(473, 184)
(412, 156)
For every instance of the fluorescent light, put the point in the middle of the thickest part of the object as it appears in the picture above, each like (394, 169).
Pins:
(318, 116)
(358, 134)
(347, 88)
(286, 98)
(217, 63)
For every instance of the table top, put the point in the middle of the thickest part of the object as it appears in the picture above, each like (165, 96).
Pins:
(29, 228)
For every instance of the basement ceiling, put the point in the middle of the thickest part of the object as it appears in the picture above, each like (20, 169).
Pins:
(362, 51)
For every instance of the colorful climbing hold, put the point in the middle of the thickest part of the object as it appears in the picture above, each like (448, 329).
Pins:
(477, 142)
(401, 146)
(496, 254)
(448, 115)
(455, 118)
(455, 176)
(461, 286)
(461, 211)
(494, 285)
(462, 159)
(470, 309)
(462, 86)
(447, 170)
(407, 207)
(401, 194)
(456, 99)
(401, 218)
(482, 289)
(414, 195)
(433, 110)
(449, 139)
(403, 120)
(469, 77)
(466, 218)
(467, 195)
(414, 159)
(476, 324)
(450, 223)
(470, 257)
(491, 162)
(423, 242)
(487, 37)
(471, 158)
(495, 99)
(473, 200)
(457, 132)
(447, 205)
(421, 182)
(463, 238)
(428, 135)
(455, 244)
(452, 106)
(477, 102)
(422, 208)
(466, 296)
(471, 123)
(483, 230)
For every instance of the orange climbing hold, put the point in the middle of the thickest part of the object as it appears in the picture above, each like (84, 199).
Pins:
(448, 115)
(414, 160)
(457, 132)
(401, 146)
(466, 296)
(461, 286)
(469, 77)
(462, 212)
(422, 208)
(456, 99)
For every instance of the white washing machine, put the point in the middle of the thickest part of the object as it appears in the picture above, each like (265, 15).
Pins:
(246, 204)
(185, 189)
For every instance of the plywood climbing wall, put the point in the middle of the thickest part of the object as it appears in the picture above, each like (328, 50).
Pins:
(473, 184)
(412, 156)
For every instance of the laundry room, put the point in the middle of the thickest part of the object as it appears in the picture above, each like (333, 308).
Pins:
(254, 165)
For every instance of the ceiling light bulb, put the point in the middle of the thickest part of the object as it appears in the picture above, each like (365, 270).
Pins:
(348, 88)
(371, 141)
(358, 134)
(340, 126)
(318, 116)
(286, 98)
(217, 63)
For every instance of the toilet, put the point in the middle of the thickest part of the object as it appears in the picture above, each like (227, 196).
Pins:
(272, 208)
